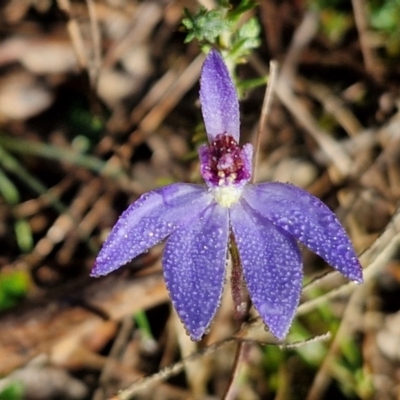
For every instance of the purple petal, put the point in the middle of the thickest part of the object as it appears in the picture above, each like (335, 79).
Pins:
(148, 221)
(194, 267)
(272, 267)
(309, 220)
(218, 98)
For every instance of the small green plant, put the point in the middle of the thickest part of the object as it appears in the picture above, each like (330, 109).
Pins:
(13, 390)
(13, 286)
(10, 194)
(384, 18)
(336, 17)
(226, 29)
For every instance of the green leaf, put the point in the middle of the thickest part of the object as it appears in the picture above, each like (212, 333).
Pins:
(143, 324)
(13, 286)
(23, 234)
(250, 30)
(8, 190)
(206, 25)
(244, 6)
(13, 390)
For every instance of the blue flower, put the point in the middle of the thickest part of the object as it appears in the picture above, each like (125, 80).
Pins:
(267, 221)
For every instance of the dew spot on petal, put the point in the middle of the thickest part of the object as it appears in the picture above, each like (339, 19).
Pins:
(270, 309)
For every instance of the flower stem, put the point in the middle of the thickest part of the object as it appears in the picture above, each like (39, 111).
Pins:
(239, 291)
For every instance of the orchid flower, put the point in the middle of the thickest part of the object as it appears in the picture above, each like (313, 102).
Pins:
(266, 220)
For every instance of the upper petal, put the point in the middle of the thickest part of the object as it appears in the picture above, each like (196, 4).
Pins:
(194, 267)
(309, 220)
(272, 267)
(148, 221)
(218, 97)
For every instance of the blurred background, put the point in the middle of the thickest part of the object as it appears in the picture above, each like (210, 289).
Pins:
(99, 104)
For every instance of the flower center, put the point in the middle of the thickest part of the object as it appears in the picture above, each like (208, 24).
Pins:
(227, 195)
(226, 168)
(226, 161)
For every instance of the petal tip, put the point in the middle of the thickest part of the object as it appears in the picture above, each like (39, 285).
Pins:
(279, 329)
(357, 279)
(352, 271)
(278, 335)
(196, 335)
(97, 271)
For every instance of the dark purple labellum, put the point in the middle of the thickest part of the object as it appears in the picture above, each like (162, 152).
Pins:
(225, 163)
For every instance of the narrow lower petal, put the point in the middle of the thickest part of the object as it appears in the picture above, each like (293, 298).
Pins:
(148, 221)
(218, 98)
(272, 267)
(309, 220)
(194, 268)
